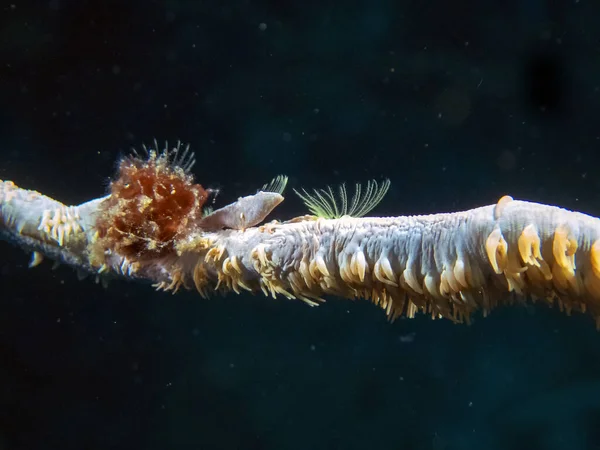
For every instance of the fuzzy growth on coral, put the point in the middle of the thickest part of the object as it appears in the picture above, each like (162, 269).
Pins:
(153, 202)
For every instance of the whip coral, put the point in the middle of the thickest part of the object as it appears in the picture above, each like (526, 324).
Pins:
(151, 227)
(153, 201)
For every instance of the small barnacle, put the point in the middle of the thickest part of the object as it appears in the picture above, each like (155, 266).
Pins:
(247, 211)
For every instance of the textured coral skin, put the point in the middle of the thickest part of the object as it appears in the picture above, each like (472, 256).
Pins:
(152, 204)
(446, 265)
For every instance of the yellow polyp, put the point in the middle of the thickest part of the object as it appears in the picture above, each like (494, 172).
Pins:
(529, 246)
(177, 280)
(411, 280)
(305, 273)
(411, 309)
(220, 280)
(309, 301)
(563, 250)
(358, 264)
(211, 255)
(515, 283)
(459, 272)
(376, 297)
(390, 307)
(235, 264)
(225, 266)
(345, 273)
(430, 285)
(263, 287)
(200, 278)
(377, 273)
(545, 269)
(452, 281)
(595, 258)
(380, 274)
(321, 265)
(281, 290)
(159, 286)
(313, 270)
(473, 275)
(398, 308)
(445, 288)
(499, 208)
(386, 269)
(233, 285)
(351, 267)
(513, 263)
(268, 286)
(385, 300)
(295, 283)
(502, 253)
(259, 256)
(560, 278)
(496, 249)
(576, 284)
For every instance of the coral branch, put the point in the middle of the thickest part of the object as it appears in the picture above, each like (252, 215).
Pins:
(447, 265)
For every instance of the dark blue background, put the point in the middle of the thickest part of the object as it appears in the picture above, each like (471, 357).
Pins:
(457, 103)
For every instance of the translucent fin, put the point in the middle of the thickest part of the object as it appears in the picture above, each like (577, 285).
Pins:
(276, 185)
(207, 210)
(324, 203)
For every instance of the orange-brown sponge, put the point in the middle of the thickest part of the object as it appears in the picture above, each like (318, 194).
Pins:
(153, 201)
